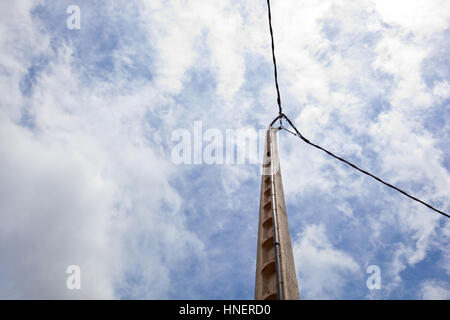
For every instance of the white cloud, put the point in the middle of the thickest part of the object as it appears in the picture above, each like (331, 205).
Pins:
(422, 17)
(181, 28)
(441, 90)
(56, 211)
(21, 39)
(432, 290)
(323, 271)
(83, 186)
(402, 59)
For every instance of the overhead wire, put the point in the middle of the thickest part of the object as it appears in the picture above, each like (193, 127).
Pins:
(297, 133)
(280, 109)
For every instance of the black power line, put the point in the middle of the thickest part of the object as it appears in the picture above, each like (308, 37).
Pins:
(280, 109)
(298, 134)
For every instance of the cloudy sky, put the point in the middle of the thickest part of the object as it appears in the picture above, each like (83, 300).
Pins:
(87, 175)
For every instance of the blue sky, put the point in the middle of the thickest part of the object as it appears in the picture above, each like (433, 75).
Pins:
(87, 118)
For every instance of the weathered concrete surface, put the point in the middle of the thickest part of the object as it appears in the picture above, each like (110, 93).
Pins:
(266, 270)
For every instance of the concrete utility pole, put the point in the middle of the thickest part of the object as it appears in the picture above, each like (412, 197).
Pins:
(275, 270)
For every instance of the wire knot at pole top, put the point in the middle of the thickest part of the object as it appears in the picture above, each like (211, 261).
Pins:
(279, 117)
